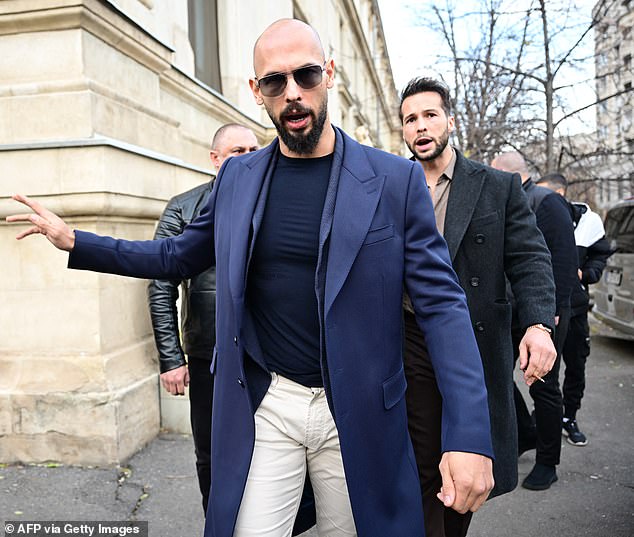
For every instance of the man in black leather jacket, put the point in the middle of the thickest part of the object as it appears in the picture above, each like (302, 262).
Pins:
(198, 308)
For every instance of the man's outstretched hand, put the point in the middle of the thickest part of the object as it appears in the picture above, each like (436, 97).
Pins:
(45, 223)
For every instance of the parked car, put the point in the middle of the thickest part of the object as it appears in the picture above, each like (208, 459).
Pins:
(614, 293)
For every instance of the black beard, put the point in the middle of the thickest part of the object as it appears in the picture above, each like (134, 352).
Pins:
(440, 147)
(301, 144)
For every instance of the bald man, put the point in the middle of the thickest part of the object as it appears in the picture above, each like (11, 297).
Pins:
(196, 338)
(314, 239)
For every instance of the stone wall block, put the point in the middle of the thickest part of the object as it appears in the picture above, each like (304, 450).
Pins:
(94, 428)
(138, 416)
(131, 364)
(49, 321)
(85, 450)
(6, 414)
(45, 115)
(175, 411)
(51, 375)
(40, 56)
(65, 413)
(106, 65)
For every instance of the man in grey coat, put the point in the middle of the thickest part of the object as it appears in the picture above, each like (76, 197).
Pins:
(491, 234)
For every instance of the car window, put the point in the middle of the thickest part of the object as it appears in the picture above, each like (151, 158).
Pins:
(619, 228)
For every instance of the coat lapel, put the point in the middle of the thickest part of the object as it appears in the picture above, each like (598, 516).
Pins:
(466, 186)
(246, 193)
(357, 197)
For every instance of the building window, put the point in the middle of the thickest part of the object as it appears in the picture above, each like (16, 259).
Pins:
(203, 36)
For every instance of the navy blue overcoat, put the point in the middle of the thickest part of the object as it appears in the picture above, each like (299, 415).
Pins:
(378, 236)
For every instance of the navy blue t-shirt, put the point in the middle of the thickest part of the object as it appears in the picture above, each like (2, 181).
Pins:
(281, 284)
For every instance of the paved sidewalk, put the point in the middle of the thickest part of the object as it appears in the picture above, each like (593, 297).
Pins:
(158, 484)
(593, 497)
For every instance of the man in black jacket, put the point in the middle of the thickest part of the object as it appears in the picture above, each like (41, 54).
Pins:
(198, 308)
(593, 250)
(491, 235)
(554, 221)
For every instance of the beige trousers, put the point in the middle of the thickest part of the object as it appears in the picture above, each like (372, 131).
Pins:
(294, 430)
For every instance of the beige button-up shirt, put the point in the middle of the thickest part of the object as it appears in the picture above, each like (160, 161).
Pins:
(441, 193)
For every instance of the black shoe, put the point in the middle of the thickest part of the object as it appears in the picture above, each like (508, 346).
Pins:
(540, 478)
(570, 429)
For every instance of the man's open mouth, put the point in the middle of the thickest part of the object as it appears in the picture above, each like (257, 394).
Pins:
(296, 119)
(424, 142)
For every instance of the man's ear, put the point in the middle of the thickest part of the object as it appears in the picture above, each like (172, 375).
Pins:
(257, 95)
(330, 73)
(451, 124)
(215, 159)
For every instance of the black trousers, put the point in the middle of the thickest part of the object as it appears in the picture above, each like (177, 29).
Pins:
(548, 404)
(201, 390)
(424, 413)
(575, 354)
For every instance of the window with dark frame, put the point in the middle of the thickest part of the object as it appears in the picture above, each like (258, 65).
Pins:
(203, 36)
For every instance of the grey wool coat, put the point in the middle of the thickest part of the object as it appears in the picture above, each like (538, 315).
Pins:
(492, 236)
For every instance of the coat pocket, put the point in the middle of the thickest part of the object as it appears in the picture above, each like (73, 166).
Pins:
(485, 219)
(394, 389)
(379, 234)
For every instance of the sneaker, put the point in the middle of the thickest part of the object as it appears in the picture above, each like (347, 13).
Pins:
(540, 478)
(570, 429)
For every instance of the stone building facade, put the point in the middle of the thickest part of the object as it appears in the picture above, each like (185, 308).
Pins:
(106, 111)
(614, 51)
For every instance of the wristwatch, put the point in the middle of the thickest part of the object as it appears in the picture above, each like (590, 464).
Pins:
(541, 327)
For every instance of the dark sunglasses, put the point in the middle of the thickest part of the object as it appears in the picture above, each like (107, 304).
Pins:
(305, 77)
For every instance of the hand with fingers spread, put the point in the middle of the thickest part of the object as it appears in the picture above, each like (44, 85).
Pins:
(537, 354)
(175, 380)
(44, 223)
(467, 480)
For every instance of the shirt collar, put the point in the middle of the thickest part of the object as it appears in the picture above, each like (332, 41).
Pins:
(448, 171)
